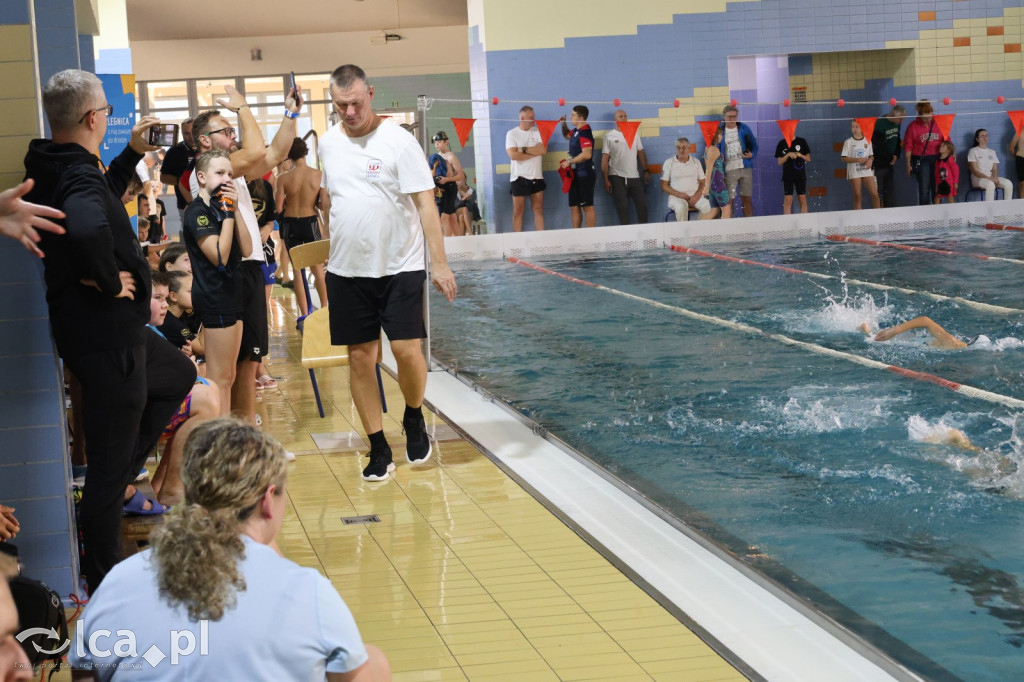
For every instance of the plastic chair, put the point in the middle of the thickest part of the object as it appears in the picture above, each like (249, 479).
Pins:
(317, 350)
(979, 194)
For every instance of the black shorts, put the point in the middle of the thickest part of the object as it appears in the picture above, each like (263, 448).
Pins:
(523, 187)
(217, 320)
(799, 183)
(581, 192)
(296, 231)
(1019, 161)
(255, 336)
(448, 202)
(361, 306)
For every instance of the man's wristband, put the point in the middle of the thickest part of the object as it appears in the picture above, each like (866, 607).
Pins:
(291, 114)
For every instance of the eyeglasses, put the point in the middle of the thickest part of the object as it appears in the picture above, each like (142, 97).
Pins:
(109, 108)
(230, 132)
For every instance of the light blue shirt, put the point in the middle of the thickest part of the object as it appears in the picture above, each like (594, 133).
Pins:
(288, 624)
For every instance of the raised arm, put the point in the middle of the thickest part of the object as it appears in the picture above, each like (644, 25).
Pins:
(942, 338)
(246, 159)
(283, 138)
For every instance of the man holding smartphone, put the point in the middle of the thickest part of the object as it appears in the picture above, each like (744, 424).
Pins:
(249, 162)
(179, 159)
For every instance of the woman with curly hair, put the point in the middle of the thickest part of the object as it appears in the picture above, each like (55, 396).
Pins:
(213, 594)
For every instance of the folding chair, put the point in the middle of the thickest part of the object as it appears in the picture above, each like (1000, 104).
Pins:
(317, 350)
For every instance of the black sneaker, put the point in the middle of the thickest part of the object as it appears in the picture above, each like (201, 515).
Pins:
(417, 444)
(380, 465)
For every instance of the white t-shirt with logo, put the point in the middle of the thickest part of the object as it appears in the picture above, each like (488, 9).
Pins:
(518, 138)
(985, 158)
(733, 149)
(374, 227)
(858, 149)
(621, 159)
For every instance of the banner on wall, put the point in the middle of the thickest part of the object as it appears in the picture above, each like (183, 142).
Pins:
(945, 123)
(1017, 117)
(120, 92)
(788, 129)
(708, 128)
(628, 130)
(463, 126)
(867, 126)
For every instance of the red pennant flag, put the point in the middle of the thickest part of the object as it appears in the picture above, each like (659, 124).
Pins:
(1018, 120)
(628, 129)
(546, 128)
(708, 128)
(463, 126)
(867, 126)
(945, 123)
(788, 129)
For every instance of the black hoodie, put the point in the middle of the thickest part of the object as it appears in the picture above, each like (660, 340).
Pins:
(99, 243)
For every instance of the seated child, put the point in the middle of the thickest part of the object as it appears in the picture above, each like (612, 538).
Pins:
(175, 259)
(175, 329)
(201, 403)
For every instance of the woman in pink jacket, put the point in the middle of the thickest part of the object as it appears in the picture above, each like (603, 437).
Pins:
(921, 150)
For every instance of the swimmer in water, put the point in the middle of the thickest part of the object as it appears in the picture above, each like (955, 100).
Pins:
(940, 337)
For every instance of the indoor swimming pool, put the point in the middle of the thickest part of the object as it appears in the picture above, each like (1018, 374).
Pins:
(713, 388)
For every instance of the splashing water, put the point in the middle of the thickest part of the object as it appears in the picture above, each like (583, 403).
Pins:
(844, 315)
(999, 469)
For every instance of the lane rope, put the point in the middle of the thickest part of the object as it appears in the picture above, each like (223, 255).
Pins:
(963, 389)
(986, 307)
(920, 249)
(997, 226)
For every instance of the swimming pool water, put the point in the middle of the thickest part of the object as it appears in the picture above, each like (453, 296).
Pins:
(817, 471)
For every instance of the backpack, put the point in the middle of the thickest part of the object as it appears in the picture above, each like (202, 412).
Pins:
(40, 608)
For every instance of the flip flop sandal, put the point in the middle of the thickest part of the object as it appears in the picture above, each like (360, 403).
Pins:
(267, 381)
(137, 506)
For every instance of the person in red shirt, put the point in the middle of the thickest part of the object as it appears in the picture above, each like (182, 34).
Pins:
(921, 147)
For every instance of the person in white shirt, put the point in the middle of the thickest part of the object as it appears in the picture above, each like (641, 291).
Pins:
(682, 179)
(213, 598)
(984, 165)
(526, 150)
(859, 157)
(378, 201)
(622, 175)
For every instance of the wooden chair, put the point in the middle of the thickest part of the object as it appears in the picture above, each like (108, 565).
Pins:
(317, 351)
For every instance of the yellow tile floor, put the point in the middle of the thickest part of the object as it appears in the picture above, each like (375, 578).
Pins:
(466, 577)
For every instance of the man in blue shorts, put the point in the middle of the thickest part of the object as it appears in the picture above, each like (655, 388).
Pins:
(581, 152)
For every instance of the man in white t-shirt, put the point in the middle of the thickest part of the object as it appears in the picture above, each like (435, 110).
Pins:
(251, 162)
(622, 175)
(682, 179)
(378, 201)
(525, 149)
(984, 166)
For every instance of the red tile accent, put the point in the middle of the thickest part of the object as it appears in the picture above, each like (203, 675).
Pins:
(841, 173)
(926, 16)
(962, 42)
(1011, 47)
(817, 191)
(995, 30)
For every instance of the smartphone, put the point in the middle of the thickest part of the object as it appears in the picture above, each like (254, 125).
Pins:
(164, 134)
(294, 88)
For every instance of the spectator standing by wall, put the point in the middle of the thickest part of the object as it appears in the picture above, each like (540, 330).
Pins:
(623, 179)
(921, 150)
(885, 141)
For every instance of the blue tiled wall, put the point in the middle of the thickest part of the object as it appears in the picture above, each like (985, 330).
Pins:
(34, 476)
(658, 63)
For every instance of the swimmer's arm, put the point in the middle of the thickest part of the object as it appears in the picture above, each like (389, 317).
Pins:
(943, 339)
(1013, 144)
(455, 172)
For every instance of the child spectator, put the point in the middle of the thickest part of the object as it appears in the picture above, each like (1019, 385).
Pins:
(716, 189)
(175, 258)
(174, 328)
(858, 157)
(947, 174)
(201, 404)
(215, 246)
(468, 212)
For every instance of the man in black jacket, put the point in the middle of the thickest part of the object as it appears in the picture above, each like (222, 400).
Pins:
(98, 291)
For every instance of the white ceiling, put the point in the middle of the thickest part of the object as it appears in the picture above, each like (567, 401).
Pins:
(184, 19)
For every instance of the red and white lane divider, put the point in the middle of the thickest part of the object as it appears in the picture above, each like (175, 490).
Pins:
(963, 389)
(986, 307)
(997, 226)
(921, 249)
